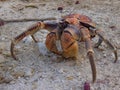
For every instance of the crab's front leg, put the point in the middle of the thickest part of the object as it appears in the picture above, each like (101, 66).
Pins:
(90, 52)
(31, 31)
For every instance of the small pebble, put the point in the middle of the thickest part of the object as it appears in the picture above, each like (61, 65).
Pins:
(86, 86)
(60, 9)
(104, 55)
(77, 2)
(113, 27)
(2, 59)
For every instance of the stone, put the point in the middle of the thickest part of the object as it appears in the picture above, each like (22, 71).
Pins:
(2, 59)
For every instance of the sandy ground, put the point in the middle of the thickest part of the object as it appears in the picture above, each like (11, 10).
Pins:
(40, 70)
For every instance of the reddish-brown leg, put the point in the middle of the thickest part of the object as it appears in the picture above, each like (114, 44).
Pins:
(31, 31)
(111, 46)
(86, 38)
(90, 53)
(101, 35)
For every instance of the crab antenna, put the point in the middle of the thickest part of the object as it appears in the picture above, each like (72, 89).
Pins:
(2, 22)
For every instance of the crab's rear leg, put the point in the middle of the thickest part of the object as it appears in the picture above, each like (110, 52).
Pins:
(101, 39)
(95, 31)
(111, 46)
(31, 31)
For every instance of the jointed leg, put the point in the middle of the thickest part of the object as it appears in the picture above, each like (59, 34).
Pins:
(102, 38)
(86, 38)
(90, 53)
(92, 29)
(111, 46)
(31, 31)
(34, 39)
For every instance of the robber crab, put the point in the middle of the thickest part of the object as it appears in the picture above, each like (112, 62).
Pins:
(65, 35)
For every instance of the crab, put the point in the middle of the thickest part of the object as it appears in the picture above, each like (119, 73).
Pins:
(65, 35)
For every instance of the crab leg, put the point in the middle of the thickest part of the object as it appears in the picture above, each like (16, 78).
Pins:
(2, 22)
(34, 38)
(111, 46)
(86, 38)
(90, 53)
(98, 43)
(94, 30)
(102, 38)
(31, 31)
